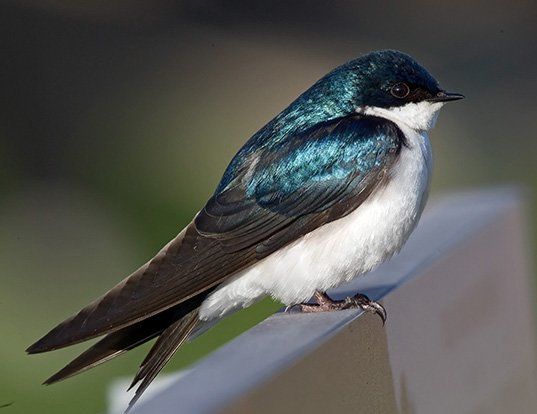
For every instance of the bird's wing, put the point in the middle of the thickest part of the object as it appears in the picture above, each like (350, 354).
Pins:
(125, 339)
(271, 197)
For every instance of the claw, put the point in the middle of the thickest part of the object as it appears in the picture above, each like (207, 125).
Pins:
(380, 311)
(325, 303)
(367, 305)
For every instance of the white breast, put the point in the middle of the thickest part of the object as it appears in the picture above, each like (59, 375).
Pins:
(341, 250)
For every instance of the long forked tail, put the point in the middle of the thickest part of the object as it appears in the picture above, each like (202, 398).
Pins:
(119, 342)
(161, 352)
(109, 347)
(173, 327)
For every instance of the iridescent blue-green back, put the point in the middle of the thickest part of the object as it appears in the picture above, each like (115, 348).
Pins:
(360, 82)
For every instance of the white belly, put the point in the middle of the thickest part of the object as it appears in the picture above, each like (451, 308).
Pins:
(341, 250)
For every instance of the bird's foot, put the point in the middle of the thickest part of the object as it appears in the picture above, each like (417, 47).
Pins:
(367, 305)
(325, 304)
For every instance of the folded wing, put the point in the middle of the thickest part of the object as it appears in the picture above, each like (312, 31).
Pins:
(268, 198)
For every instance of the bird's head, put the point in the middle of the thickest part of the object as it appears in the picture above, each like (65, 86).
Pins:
(385, 83)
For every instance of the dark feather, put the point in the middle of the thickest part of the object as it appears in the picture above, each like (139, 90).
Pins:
(314, 163)
(161, 352)
(125, 339)
(109, 347)
(280, 193)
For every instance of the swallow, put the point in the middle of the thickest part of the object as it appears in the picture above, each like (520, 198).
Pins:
(326, 191)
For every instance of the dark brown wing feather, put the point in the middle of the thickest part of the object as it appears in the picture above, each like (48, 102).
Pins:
(119, 342)
(161, 352)
(232, 232)
(170, 278)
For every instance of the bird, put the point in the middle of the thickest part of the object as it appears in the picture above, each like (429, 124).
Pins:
(325, 192)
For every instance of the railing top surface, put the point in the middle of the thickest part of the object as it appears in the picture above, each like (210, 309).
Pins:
(272, 345)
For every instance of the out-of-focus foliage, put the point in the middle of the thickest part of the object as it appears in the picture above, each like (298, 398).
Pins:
(118, 118)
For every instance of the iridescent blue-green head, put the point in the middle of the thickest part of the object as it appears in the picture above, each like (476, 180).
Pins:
(388, 79)
(385, 83)
(381, 83)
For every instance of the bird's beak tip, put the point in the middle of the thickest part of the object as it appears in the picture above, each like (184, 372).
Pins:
(444, 96)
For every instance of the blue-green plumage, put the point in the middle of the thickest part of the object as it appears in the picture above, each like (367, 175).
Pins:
(298, 187)
(350, 147)
(312, 177)
(365, 81)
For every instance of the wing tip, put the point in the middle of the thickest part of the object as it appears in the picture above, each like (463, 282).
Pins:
(39, 346)
(66, 372)
(57, 377)
(67, 333)
(53, 340)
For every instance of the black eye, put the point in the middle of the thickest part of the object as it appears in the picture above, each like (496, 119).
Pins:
(400, 90)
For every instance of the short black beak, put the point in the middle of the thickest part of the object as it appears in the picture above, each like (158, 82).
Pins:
(444, 96)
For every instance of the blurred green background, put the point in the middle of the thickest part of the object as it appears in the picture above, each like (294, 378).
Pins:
(118, 118)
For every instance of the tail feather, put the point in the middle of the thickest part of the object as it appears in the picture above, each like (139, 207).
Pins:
(115, 344)
(101, 352)
(119, 342)
(161, 352)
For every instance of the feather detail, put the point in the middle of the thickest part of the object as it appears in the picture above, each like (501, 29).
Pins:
(161, 352)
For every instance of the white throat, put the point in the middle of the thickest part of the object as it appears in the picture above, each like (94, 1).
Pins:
(419, 116)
